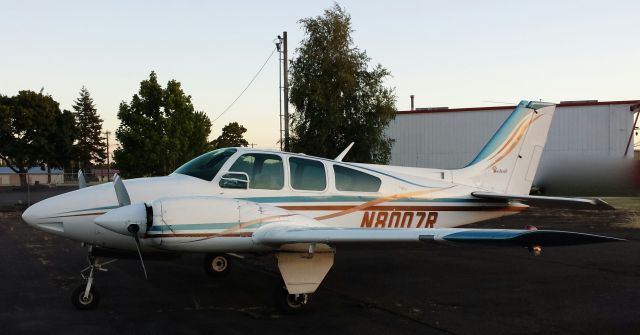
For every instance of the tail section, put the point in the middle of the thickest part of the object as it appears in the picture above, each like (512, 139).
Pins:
(509, 161)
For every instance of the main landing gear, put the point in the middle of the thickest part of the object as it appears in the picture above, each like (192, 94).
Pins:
(217, 265)
(290, 303)
(86, 296)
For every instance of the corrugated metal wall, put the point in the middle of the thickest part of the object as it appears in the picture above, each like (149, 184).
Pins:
(450, 140)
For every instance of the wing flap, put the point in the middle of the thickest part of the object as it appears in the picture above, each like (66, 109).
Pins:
(540, 201)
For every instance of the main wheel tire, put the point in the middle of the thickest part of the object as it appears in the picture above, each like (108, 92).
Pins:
(217, 265)
(79, 301)
(290, 303)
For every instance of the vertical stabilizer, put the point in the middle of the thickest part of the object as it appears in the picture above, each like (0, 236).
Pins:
(509, 161)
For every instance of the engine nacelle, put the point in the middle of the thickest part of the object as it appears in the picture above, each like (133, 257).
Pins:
(126, 220)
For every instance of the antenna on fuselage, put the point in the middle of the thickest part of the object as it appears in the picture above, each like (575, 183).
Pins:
(344, 153)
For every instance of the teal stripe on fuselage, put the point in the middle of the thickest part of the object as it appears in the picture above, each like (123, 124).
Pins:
(196, 226)
(341, 198)
(204, 226)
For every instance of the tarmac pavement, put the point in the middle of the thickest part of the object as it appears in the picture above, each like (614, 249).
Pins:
(373, 289)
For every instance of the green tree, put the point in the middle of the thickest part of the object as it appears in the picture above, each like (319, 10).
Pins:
(159, 130)
(337, 97)
(141, 132)
(61, 149)
(187, 130)
(90, 148)
(232, 136)
(29, 132)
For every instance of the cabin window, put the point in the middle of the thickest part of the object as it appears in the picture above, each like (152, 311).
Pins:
(206, 166)
(353, 180)
(265, 171)
(307, 174)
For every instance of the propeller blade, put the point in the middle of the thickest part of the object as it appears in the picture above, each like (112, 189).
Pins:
(82, 183)
(121, 192)
(134, 229)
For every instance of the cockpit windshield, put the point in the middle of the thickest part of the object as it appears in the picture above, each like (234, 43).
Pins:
(206, 166)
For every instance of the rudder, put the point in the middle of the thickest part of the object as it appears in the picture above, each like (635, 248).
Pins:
(509, 161)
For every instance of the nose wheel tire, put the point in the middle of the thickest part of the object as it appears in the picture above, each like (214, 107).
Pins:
(217, 265)
(85, 303)
(290, 303)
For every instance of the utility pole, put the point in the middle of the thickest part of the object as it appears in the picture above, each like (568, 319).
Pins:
(107, 133)
(285, 74)
(280, 116)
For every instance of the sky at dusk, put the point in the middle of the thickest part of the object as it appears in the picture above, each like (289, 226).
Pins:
(447, 53)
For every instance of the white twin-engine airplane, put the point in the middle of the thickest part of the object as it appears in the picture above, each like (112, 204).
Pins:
(239, 200)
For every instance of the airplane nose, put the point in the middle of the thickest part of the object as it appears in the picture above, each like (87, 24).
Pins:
(38, 216)
(30, 215)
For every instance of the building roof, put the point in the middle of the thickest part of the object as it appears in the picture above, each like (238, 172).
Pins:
(33, 170)
(635, 103)
(104, 172)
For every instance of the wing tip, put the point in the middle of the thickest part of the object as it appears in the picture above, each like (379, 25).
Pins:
(529, 238)
(603, 205)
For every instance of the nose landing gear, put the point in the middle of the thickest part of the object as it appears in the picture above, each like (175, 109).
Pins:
(84, 300)
(86, 296)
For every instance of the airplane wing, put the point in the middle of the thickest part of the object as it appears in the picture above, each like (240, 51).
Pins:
(539, 201)
(289, 234)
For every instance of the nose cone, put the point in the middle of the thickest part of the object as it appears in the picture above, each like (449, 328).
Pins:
(39, 216)
(36, 213)
(29, 216)
(118, 220)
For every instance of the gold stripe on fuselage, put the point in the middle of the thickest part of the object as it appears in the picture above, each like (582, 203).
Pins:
(382, 200)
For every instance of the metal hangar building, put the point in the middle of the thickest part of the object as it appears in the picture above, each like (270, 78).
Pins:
(587, 132)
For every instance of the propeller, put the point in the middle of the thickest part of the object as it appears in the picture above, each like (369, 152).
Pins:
(134, 229)
(133, 226)
(121, 192)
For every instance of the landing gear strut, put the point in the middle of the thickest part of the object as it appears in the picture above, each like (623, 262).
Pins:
(86, 296)
(290, 303)
(217, 265)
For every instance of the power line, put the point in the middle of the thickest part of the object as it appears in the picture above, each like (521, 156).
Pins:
(251, 82)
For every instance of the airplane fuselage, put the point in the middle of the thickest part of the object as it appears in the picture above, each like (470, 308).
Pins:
(399, 198)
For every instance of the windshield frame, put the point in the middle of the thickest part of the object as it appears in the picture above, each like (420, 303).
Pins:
(202, 159)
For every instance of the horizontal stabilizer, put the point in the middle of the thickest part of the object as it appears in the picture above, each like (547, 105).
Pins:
(540, 201)
(524, 238)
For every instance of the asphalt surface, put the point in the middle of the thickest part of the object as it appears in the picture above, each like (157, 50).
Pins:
(399, 289)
